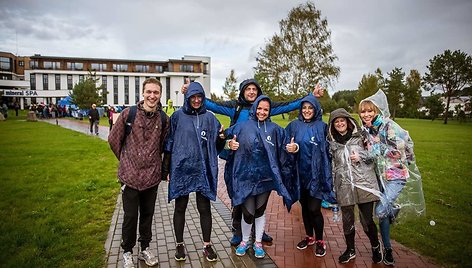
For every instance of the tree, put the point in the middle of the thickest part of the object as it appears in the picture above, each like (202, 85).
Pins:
(86, 92)
(411, 95)
(301, 55)
(450, 71)
(434, 105)
(214, 97)
(230, 88)
(394, 90)
(368, 85)
(348, 95)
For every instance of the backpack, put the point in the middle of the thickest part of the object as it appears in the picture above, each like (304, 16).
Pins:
(132, 116)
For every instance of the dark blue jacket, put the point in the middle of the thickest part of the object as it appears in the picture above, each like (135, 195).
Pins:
(313, 163)
(192, 142)
(256, 167)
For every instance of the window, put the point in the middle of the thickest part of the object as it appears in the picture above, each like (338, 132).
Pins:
(159, 69)
(33, 81)
(55, 65)
(75, 66)
(120, 67)
(45, 81)
(186, 68)
(34, 64)
(126, 89)
(58, 81)
(81, 78)
(115, 89)
(136, 89)
(205, 68)
(21, 63)
(69, 82)
(99, 66)
(104, 86)
(142, 68)
(5, 63)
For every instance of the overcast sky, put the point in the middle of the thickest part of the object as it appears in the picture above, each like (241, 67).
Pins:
(366, 34)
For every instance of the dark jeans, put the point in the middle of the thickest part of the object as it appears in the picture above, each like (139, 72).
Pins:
(135, 201)
(203, 206)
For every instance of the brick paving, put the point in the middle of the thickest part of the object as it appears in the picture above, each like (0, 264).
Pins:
(286, 229)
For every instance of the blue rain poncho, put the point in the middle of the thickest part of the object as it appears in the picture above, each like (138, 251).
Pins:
(257, 166)
(400, 178)
(312, 170)
(192, 144)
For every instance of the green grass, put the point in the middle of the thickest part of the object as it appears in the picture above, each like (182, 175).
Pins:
(58, 190)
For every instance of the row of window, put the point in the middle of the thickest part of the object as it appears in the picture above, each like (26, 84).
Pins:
(78, 66)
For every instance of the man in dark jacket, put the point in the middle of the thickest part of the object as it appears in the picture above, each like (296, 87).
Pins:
(94, 119)
(139, 170)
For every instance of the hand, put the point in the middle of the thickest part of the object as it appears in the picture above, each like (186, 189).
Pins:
(318, 92)
(233, 144)
(185, 86)
(292, 146)
(221, 133)
(355, 157)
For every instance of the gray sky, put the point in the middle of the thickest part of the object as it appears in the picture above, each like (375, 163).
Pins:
(365, 34)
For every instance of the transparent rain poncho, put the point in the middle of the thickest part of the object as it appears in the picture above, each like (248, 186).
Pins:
(402, 194)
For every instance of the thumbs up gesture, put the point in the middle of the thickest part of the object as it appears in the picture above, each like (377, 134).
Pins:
(354, 156)
(185, 86)
(318, 92)
(233, 144)
(292, 147)
(221, 133)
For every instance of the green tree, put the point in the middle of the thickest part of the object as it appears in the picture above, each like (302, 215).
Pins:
(301, 55)
(230, 88)
(368, 85)
(347, 95)
(434, 105)
(86, 92)
(342, 103)
(450, 72)
(411, 95)
(394, 90)
(214, 97)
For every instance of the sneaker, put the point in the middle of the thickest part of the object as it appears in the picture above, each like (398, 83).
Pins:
(308, 241)
(388, 257)
(242, 248)
(149, 258)
(325, 204)
(377, 255)
(266, 238)
(348, 255)
(258, 250)
(128, 260)
(320, 250)
(235, 240)
(209, 253)
(180, 252)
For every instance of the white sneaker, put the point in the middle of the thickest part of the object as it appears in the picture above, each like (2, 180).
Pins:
(148, 257)
(128, 260)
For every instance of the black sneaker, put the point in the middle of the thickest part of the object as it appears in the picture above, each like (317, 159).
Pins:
(320, 249)
(209, 253)
(266, 238)
(308, 241)
(180, 252)
(388, 257)
(348, 255)
(377, 255)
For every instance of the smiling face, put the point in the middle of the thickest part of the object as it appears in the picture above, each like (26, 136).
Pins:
(196, 101)
(367, 112)
(308, 111)
(250, 93)
(262, 110)
(151, 96)
(340, 124)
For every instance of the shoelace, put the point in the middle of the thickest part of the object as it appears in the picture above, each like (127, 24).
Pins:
(128, 259)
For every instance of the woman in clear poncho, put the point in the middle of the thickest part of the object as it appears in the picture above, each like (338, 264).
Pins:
(399, 177)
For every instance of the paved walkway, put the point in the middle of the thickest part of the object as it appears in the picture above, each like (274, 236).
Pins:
(286, 228)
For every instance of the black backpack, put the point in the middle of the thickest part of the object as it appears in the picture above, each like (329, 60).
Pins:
(132, 116)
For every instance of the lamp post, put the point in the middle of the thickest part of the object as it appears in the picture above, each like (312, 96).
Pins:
(177, 98)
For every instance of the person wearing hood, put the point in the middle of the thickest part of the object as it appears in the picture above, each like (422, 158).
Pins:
(255, 169)
(191, 160)
(392, 148)
(238, 111)
(313, 181)
(139, 170)
(355, 181)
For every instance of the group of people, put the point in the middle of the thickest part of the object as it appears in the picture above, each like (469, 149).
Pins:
(309, 161)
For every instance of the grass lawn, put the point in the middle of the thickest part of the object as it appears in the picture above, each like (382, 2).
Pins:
(59, 189)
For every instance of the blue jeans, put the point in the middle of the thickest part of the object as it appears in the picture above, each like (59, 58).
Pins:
(385, 208)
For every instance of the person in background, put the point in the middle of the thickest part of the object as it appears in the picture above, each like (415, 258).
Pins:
(111, 112)
(94, 119)
(255, 169)
(355, 181)
(392, 148)
(139, 169)
(308, 143)
(16, 105)
(191, 157)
